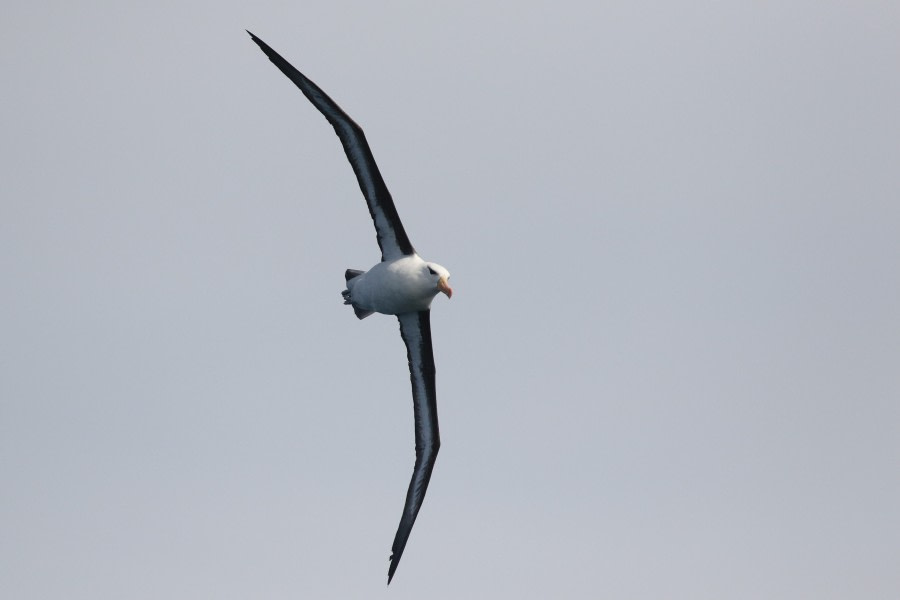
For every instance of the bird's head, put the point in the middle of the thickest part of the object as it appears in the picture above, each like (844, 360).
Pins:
(440, 275)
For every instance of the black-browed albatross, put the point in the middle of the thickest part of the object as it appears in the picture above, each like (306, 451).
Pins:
(402, 284)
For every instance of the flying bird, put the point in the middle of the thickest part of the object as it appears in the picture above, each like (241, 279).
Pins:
(402, 284)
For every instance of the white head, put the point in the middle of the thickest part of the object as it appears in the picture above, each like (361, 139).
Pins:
(440, 275)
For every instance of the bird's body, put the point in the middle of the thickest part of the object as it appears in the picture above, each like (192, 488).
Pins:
(402, 284)
(393, 287)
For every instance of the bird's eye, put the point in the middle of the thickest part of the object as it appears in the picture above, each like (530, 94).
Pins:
(432, 271)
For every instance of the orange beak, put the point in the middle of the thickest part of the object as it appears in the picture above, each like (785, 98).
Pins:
(445, 287)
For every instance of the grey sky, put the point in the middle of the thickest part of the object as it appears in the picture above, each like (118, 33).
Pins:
(669, 368)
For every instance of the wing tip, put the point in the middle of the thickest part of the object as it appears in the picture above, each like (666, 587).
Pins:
(262, 45)
(393, 568)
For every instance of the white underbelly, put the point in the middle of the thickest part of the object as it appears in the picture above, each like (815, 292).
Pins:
(393, 287)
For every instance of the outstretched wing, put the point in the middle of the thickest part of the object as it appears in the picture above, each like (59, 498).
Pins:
(415, 328)
(389, 230)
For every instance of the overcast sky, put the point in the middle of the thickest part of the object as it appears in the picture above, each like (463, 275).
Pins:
(670, 367)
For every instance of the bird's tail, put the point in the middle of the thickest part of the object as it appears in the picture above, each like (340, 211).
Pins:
(350, 274)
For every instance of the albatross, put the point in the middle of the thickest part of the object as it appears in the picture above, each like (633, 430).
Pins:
(402, 284)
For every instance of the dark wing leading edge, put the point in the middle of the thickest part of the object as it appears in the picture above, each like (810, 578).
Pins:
(415, 328)
(389, 230)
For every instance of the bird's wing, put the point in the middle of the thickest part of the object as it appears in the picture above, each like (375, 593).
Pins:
(415, 328)
(389, 230)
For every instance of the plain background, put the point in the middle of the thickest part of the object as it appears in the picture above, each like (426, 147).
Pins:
(669, 370)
